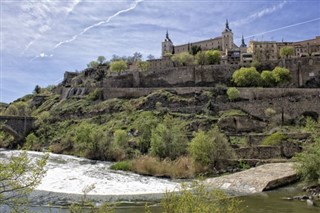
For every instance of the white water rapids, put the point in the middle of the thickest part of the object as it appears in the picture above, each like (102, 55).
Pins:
(68, 174)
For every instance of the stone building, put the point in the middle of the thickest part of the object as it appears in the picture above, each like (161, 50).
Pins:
(222, 43)
(270, 50)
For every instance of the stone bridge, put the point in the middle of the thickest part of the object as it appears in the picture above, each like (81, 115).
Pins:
(17, 126)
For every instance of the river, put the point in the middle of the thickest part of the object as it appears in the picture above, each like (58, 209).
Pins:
(67, 176)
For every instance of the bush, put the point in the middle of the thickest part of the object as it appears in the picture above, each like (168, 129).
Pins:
(143, 66)
(281, 75)
(308, 165)
(267, 79)
(246, 77)
(183, 59)
(122, 165)
(213, 56)
(32, 142)
(118, 66)
(169, 139)
(210, 148)
(273, 139)
(199, 199)
(96, 94)
(121, 138)
(269, 112)
(233, 93)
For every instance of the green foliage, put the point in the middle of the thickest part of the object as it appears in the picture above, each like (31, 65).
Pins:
(93, 64)
(195, 49)
(281, 75)
(145, 123)
(231, 112)
(267, 78)
(199, 199)
(169, 138)
(19, 176)
(286, 52)
(12, 110)
(143, 66)
(96, 94)
(118, 66)
(255, 64)
(37, 90)
(86, 137)
(246, 77)
(122, 165)
(213, 56)
(121, 138)
(308, 165)
(311, 125)
(233, 93)
(101, 59)
(243, 165)
(208, 148)
(31, 141)
(201, 58)
(269, 112)
(183, 59)
(273, 139)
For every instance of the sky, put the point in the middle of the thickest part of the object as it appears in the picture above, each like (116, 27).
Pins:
(41, 39)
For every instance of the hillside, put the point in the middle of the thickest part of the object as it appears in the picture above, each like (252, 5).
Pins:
(78, 118)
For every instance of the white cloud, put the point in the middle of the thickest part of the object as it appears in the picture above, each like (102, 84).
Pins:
(259, 14)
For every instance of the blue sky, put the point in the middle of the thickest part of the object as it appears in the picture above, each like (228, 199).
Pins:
(40, 40)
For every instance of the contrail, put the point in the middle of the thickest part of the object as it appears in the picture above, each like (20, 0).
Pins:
(133, 6)
(282, 28)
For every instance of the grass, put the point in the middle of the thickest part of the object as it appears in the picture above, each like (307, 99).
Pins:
(231, 112)
(122, 165)
(273, 139)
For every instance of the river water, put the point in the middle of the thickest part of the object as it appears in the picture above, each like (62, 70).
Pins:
(67, 176)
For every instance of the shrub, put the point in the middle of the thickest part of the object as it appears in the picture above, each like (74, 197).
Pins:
(267, 79)
(96, 94)
(183, 59)
(118, 66)
(246, 77)
(213, 56)
(209, 148)
(281, 75)
(143, 66)
(308, 165)
(201, 58)
(233, 93)
(122, 165)
(273, 139)
(269, 112)
(199, 199)
(12, 110)
(121, 138)
(169, 139)
(32, 142)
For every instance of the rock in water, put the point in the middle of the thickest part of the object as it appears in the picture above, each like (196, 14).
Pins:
(310, 202)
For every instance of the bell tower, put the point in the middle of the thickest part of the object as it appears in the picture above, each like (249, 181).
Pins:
(227, 38)
(167, 45)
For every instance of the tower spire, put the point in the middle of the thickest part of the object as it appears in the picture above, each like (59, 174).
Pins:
(242, 42)
(227, 24)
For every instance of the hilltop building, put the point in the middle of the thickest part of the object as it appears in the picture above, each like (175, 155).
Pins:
(231, 53)
(270, 50)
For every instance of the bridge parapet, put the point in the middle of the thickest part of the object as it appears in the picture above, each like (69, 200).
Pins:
(17, 126)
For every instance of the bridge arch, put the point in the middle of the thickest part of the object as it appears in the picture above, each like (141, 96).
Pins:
(17, 126)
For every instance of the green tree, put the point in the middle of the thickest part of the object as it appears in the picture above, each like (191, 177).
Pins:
(12, 110)
(136, 57)
(267, 78)
(93, 64)
(118, 66)
(18, 177)
(210, 148)
(255, 64)
(169, 139)
(213, 56)
(195, 49)
(201, 58)
(183, 59)
(281, 75)
(233, 93)
(246, 77)
(286, 52)
(37, 90)
(143, 66)
(101, 59)
(86, 137)
(121, 138)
